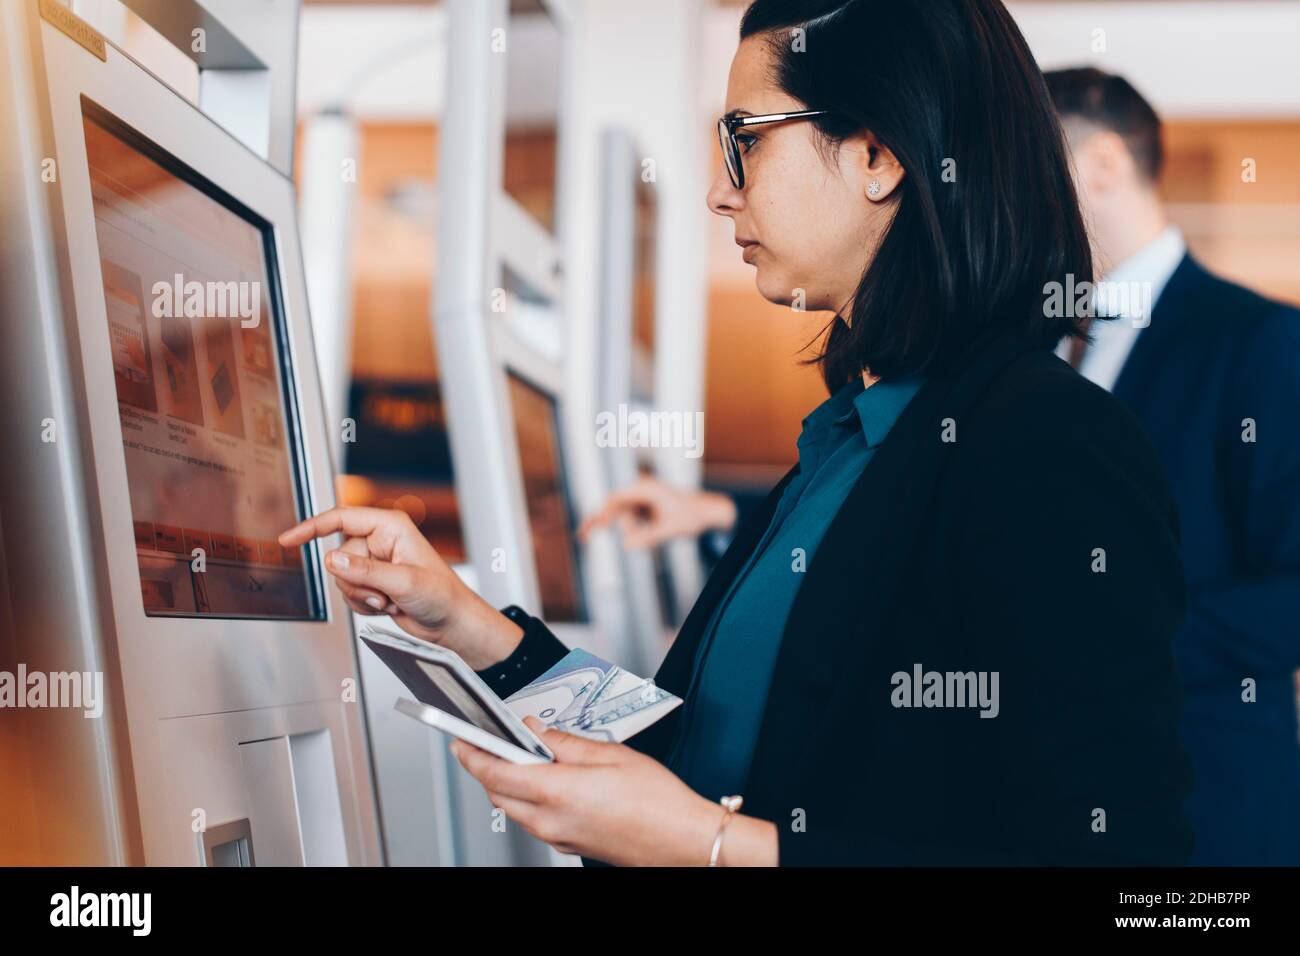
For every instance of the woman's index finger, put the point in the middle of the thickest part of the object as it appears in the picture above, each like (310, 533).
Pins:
(354, 522)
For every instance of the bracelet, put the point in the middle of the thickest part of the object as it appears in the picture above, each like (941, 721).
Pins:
(731, 805)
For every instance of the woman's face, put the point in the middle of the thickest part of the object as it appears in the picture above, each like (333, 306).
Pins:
(804, 218)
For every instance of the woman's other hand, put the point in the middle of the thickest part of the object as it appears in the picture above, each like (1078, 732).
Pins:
(386, 566)
(610, 802)
(650, 512)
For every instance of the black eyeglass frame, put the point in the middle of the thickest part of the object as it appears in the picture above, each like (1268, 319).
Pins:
(727, 127)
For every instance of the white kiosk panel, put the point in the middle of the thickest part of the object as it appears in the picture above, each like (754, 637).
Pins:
(233, 700)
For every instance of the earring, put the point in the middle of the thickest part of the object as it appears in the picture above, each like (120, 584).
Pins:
(873, 188)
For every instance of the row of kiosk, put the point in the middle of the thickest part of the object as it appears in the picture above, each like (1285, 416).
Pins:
(168, 416)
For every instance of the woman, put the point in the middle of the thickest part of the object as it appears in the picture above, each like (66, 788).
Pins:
(945, 637)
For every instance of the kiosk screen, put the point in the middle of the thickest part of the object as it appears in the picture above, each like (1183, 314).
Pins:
(195, 337)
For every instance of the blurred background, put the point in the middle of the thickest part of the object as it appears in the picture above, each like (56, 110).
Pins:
(1222, 74)
(1248, 105)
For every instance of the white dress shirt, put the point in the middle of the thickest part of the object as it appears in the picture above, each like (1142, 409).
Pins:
(1129, 291)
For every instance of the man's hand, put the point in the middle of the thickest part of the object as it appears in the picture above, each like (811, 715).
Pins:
(649, 512)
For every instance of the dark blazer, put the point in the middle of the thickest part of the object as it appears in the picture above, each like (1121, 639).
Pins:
(1214, 355)
(972, 555)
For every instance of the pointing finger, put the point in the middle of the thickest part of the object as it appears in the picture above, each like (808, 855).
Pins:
(355, 522)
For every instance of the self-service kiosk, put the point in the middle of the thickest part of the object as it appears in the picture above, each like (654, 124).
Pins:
(504, 340)
(164, 424)
(627, 375)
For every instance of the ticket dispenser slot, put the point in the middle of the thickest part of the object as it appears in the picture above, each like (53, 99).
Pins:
(228, 845)
(296, 817)
(316, 784)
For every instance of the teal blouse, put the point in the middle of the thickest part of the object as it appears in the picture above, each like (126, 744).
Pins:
(737, 653)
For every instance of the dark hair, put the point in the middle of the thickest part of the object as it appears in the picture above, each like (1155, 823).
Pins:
(1110, 102)
(986, 215)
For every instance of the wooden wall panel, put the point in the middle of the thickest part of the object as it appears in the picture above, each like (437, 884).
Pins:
(757, 392)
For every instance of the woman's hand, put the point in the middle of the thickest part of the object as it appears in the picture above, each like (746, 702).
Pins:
(650, 512)
(385, 566)
(610, 802)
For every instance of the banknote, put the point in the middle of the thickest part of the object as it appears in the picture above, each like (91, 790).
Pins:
(593, 698)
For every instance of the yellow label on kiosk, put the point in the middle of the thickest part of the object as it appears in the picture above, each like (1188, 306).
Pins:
(71, 25)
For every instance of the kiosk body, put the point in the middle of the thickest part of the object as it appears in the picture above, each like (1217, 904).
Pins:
(161, 439)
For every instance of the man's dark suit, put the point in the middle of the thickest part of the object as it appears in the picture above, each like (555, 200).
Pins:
(1218, 363)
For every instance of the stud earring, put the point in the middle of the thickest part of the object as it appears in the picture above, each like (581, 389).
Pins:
(873, 188)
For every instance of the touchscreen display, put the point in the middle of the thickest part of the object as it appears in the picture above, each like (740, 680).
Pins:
(550, 519)
(194, 336)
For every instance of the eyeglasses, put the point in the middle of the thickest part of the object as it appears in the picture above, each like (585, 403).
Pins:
(727, 127)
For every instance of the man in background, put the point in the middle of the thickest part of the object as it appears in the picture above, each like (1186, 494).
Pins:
(1212, 371)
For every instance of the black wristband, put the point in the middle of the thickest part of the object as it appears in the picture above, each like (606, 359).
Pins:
(503, 671)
